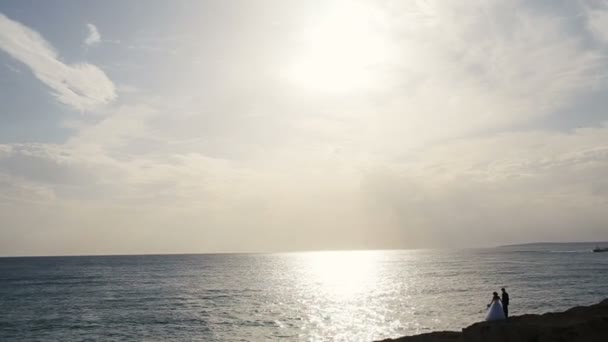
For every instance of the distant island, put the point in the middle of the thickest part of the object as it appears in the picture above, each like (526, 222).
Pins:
(578, 324)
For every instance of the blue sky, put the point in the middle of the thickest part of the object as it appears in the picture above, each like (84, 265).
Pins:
(213, 126)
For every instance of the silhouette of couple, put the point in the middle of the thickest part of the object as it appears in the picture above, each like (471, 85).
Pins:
(498, 309)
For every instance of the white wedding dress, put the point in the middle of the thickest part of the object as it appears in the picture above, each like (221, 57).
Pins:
(495, 312)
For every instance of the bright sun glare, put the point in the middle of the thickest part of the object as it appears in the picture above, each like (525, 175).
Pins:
(343, 275)
(343, 51)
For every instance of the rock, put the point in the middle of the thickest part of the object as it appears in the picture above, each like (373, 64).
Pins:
(579, 324)
(439, 336)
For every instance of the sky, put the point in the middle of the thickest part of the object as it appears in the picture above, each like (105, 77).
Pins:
(131, 127)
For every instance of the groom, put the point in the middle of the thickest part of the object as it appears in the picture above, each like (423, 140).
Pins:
(505, 302)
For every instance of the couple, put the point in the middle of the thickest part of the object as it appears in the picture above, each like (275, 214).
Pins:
(496, 310)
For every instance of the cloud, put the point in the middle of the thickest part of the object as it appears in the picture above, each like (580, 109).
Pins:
(597, 19)
(12, 68)
(82, 86)
(42, 164)
(499, 189)
(509, 187)
(492, 64)
(456, 69)
(94, 38)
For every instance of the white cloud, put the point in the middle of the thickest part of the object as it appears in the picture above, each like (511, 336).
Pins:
(94, 38)
(43, 164)
(82, 86)
(597, 19)
(456, 68)
(482, 65)
(510, 187)
(498, 189)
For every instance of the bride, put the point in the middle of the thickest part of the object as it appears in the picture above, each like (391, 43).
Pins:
(495, 311)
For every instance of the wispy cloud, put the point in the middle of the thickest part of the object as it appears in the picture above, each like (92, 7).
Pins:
(94, 38)
(597, 20)
(82, 86)
(12, 68)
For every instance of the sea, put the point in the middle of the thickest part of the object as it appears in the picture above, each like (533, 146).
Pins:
(307, 296)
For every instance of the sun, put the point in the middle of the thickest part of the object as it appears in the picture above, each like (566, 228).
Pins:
(345, 50)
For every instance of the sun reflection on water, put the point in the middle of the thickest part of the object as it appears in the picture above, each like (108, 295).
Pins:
(341, 276)
(341, 292)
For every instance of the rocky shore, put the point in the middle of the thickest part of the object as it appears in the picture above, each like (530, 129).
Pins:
(579, 324)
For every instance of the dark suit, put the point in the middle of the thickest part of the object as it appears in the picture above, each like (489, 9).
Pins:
(505, 303)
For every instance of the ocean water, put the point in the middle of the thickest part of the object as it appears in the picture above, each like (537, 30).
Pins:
(312, 296)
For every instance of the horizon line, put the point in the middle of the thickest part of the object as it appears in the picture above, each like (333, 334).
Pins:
(294, 251)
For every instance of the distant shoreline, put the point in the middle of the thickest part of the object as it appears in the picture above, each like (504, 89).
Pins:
(553, 243)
